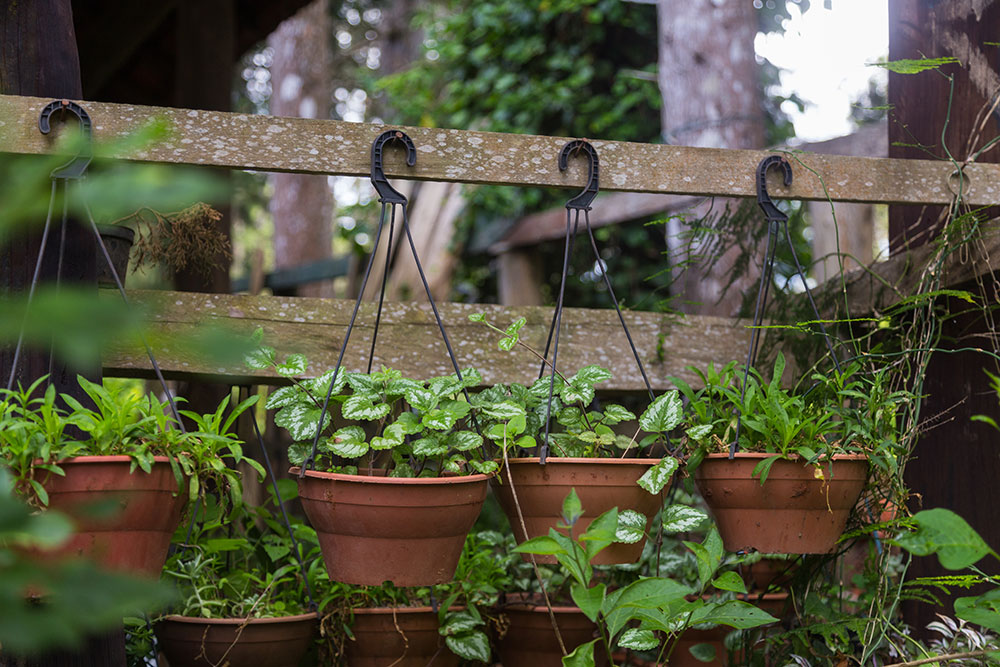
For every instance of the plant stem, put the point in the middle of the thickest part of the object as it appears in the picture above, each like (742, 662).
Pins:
(534, 565)
(946, 657)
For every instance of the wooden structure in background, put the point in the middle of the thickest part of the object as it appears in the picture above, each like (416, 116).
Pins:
(956, 463)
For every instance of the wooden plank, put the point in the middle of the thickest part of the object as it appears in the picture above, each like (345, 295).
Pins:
(873, 289)
(611, 209)
(269, 143)
(409, 340)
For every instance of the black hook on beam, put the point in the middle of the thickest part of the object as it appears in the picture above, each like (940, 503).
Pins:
(76, 167)
(583, 200)
(388, 194)
(771, 211)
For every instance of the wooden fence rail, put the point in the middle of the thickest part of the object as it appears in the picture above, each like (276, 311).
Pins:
(409, 340)
(269, 143)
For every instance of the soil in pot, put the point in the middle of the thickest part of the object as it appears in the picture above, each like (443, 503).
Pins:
(531, 640)
(261, 642)
(793, 512)
(600, 483)
(401, 637)
(118, 240)
(124, 521)
(373, 529)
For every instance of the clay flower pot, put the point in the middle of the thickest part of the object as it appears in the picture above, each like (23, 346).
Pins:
(530, 639)
(409, 531)
(262, 642)
(793, 512)
(600, 483)
(401, 637)
(124, 521)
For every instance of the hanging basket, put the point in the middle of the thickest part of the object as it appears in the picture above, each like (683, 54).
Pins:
(373, 529)
(601, 484)
(401, 637)
(133, 534)
(262, 642)
(793, 512)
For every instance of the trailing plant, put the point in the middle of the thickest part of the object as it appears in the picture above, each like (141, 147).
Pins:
(842, 413)
(411, 428)
(38, 433)
(464, 605)
(650, 613)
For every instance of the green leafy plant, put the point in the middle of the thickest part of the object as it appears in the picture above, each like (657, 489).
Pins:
(38, 433)
(842, 413)
(410, 428)
(244, 565)
(464, 604)
(648, 614)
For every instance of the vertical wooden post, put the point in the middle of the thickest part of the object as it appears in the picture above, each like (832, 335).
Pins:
(38, 56)
(956, 465)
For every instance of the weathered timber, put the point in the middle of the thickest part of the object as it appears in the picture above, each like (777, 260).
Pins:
(612, 209)
(875, 288)
(269, 143)
(409, 340)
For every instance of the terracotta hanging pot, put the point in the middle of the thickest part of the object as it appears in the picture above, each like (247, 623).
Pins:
(600, 483)
(373, 529)
(530, 638)
(123, 520)
(261, 642)
(401, 637)
(793, 512)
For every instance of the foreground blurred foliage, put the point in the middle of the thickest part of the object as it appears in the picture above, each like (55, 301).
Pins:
(79, 598)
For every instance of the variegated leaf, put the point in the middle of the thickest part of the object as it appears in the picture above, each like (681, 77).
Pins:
(422, 399)
(433, 446)
(294, 365)
(285, 396)
(363, 409)
(663, 414)
(638, 640)
(301, 420)
(464, 441)
(681, 518)
(657, 477)
(631, 527)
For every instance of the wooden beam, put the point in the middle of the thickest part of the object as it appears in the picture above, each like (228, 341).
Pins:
(610, 209)
(409, 340)
(873, 289)
(268, 143)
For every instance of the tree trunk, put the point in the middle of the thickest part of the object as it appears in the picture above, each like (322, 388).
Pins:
(708, 79)
(955, 464)
(302, 204)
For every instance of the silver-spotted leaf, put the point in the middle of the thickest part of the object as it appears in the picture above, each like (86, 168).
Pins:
(631, 527)
(681, 518)
(658, 476)
(663, 414)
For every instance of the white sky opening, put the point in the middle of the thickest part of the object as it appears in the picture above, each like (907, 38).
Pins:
(825, 55)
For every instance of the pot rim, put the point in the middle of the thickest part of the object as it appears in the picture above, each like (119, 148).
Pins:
(567, 460)
(373, 611)
(107, 458)
(715, 456)
(398, 481)
(195, 620)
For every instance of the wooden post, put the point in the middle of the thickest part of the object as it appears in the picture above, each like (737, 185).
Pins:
(955, 464)
(39, 57)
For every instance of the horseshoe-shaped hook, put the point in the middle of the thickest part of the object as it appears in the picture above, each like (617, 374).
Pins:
(583, 200)
(386, 193)
(772, 212)
(78, 165)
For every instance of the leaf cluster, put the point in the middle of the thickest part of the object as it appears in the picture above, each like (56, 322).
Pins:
(244, 565)
(650, 613)
(38, 432)
(841, 413)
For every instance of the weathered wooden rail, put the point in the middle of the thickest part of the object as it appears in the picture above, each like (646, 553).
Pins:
(407, 340)
(269, 143)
